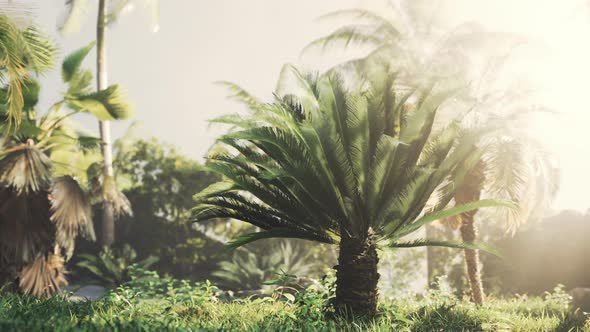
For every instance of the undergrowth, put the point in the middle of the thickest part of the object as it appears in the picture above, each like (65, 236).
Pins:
(153, 303)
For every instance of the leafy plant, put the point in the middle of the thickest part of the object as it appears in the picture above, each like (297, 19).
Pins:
(257, 266)
(112, 265)
(347, 164)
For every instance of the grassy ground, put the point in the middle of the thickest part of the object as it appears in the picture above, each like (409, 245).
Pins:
(155, 304)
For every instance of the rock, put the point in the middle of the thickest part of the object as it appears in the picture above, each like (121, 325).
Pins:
(580, 298)
(88, 293)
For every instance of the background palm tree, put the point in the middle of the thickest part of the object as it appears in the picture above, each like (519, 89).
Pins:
(45, 186)
(514, 167)
(108, 13)
(422, 46)
(343, 163)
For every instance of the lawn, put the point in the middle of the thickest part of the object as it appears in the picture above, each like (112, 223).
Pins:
(153, 303)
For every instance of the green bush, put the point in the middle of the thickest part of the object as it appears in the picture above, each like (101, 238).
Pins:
(112, 265)
(256, 265)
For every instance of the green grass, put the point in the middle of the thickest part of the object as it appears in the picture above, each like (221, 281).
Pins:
(151, 303)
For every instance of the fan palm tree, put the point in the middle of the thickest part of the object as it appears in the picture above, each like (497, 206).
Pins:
(108, 13)
(45, 191)
(24, 50)
(344, 164)
(422, 46)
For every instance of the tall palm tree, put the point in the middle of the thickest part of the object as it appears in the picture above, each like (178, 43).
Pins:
(24, 50)
(45, 190)
(424, 48)
(345, 163)
(108, 13)
(514, 167)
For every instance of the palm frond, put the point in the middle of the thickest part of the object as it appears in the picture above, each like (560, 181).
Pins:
(454, 211)
(274, 233)
(70, 211)
(108, 104)
(70, 67)
(76, 11)
(25, 169)
(44, 276)
(447, 244)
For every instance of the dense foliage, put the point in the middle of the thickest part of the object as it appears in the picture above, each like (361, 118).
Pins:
(159, 183)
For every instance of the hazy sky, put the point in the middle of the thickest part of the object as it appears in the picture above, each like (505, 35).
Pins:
(170, 74)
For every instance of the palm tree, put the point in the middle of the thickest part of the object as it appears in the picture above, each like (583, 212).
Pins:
(45, 186)
(345, 163)
(514, 167)
(23, 51)
(422, 46)
(107, 14)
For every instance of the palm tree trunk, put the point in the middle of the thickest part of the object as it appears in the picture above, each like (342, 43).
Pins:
(430, 256)
(468, 235)
(108, 218)
(471, 192)
(357, 276)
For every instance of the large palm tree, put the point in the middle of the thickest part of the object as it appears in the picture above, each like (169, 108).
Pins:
(465, 53)
(45, 189)
(107, 13)
(345, 163)
(24, 51)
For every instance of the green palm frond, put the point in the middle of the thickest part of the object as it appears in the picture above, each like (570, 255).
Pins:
(71, 65)
(21, 51)
(239, 94)
(454, 211)
(448, 244)
(108, 104)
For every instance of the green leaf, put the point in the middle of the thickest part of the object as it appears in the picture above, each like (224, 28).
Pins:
(449, 244)
(273, 233)
(71, 64)
(108, 104)
(451, 212)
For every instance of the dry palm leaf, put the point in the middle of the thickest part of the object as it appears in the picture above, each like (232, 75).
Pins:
(70, 211)
(44, 276)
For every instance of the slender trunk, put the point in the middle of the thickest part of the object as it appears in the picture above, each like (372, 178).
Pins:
(469, 193)
(108, 218)
(468, 235)
(357, 276)
(430, 257)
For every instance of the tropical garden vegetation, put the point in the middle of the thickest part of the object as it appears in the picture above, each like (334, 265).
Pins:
(309, 213)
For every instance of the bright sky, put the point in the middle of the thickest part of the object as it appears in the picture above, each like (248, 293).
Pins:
(170, 74)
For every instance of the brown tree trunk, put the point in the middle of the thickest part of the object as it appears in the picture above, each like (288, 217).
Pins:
(108, 217)
(357, 276)
(471, 191)
(469, 234)
(430, 257)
